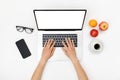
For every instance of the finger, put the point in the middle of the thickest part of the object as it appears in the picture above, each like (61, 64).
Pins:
(52, 46)
(73, 43)
(48, 43)
(53, 50)
(64, 44)
(70, 42)
(66, 39)
(45, 44)
(51, 42)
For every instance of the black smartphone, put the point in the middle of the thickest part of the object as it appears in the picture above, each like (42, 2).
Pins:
(23, 48)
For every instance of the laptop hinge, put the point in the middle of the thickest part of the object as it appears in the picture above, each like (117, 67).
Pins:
(59, 29)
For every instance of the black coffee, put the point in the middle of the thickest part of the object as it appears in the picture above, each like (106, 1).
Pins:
(97, 46)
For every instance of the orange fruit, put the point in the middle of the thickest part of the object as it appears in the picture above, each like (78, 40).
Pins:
(93, 23)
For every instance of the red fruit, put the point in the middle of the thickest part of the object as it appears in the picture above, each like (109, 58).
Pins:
(94, 33)
(103, 26)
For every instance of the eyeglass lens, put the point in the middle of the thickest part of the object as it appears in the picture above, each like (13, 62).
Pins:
(29, 30)
(20, 29)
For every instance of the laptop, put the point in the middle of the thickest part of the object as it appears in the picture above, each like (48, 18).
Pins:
(59, 24)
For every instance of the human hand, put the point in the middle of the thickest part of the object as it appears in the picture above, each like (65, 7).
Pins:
(69, 49)
(48, 50)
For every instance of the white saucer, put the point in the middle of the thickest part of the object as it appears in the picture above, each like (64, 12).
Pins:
(96, 46)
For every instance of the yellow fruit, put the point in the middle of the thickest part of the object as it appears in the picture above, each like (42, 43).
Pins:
(93, 23)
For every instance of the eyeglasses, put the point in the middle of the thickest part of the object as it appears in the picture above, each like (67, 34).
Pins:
(27, 30)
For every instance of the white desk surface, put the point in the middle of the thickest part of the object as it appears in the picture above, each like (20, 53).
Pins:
(105, 66)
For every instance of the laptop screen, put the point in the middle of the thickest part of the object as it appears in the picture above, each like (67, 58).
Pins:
(59, 19)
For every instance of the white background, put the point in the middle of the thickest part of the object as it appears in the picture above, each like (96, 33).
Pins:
(105, 66)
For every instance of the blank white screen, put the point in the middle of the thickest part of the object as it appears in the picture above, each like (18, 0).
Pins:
(60, 19)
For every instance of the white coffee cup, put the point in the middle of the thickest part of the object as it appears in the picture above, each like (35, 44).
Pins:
(96, 46)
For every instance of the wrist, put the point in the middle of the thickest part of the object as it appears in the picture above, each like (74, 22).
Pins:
(43, 61)
(74, 59)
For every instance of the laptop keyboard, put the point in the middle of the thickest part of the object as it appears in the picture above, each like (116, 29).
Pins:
(58, 38)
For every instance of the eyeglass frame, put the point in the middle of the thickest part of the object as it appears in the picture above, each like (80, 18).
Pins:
(24, 28)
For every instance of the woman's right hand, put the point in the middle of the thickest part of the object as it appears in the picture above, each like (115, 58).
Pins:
(69, 49)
